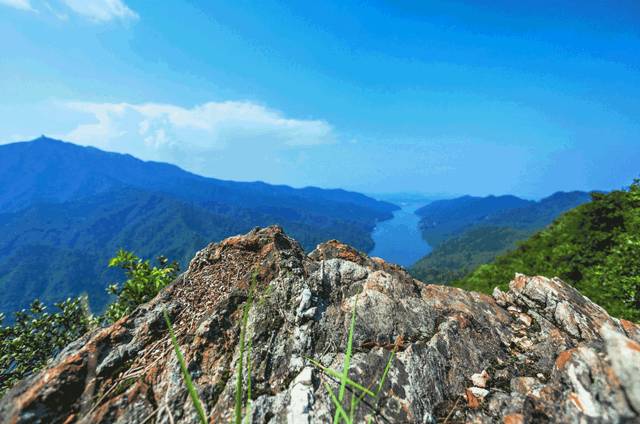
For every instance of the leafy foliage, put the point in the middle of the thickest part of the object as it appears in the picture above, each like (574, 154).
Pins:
(143, 283)
(37, 335)
(595, 247)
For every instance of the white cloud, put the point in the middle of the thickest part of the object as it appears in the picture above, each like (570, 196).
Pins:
(196, 138)
(95, 10)
(18, 4)
(210, 125)
(101, 10)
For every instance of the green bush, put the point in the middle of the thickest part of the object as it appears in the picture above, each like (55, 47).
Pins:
(143, 282)
(37, 335)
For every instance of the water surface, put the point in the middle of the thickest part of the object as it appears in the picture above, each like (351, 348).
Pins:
(398, 240)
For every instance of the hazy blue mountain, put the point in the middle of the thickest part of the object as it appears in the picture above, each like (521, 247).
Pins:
(47, 170)
(539, 214)
(471, 231)
(65, 209)
(444, 219)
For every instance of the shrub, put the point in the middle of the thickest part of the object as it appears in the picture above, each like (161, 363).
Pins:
(143, 282)
(37, 335)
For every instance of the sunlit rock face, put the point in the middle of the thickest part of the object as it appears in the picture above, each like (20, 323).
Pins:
(541, 352)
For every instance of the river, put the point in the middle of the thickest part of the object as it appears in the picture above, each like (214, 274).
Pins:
(398, 240)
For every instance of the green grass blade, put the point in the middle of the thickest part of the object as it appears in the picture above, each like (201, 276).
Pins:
(337, 375)
(355, 402)
(185, 374)
(239, 365)
(386, 370)
(352, 408)
(247, 413)
(347, 357)
(339, 409)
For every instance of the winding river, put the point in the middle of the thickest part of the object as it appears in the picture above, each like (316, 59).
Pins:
(398, 240)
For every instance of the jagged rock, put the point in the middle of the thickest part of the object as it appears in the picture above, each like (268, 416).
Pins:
(551, 354)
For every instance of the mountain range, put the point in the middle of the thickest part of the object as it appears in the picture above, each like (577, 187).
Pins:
(468, 231)
(65, 210)
(595, 247)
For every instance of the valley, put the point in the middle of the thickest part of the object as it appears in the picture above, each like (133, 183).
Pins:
(399, 240)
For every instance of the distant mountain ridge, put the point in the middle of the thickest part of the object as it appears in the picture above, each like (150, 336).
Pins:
(49, 170)
(595, 247)
(65, 209)
(467, 232)
(443, 219)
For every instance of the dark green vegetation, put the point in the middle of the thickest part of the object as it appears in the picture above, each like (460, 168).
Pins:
(595, 247)
(37, 335)
(455, 258)
(470, 231)
(64, 209)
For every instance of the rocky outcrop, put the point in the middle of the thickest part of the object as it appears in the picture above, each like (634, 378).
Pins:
(540, 352)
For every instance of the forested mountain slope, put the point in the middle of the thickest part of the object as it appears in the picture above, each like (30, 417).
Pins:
(595, 247)
(469, 231)
(66, 209)
(443, 219)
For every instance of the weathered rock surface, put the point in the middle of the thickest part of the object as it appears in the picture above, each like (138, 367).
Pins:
(538, 353)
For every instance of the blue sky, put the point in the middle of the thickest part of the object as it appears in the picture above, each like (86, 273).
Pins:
(380, 96)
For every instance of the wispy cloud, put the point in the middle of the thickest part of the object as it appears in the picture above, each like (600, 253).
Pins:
(99, 11)
(18, 4)
(102, 10)
(210, 125)
(196, 137)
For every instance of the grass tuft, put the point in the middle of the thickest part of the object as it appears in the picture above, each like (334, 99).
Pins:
(246, 348)
(340, 412)
(347, 358)
(202, 416)
(343, 377)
